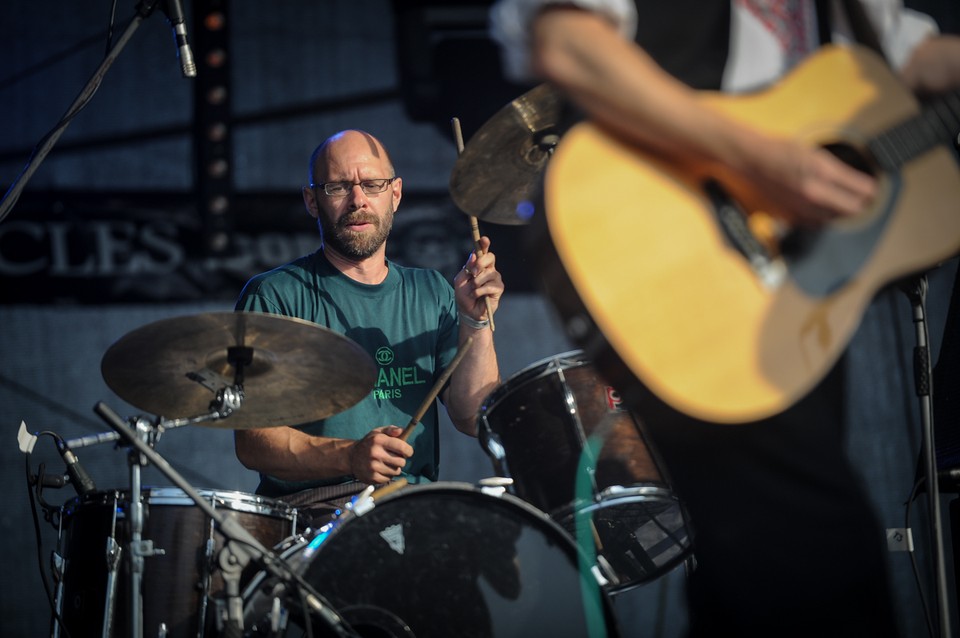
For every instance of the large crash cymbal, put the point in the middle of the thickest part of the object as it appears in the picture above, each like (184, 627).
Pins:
(498, 173)
(297, 371)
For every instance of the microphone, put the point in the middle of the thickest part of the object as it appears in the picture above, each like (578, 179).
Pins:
(174, 11)
(50, 480)
(79, 478)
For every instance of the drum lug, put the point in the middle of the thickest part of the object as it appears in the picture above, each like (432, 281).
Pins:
(604, 572)
(493, 445)
(113, 553)
(56, 566)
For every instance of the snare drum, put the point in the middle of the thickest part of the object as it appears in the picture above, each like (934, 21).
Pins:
(439, 559)
(559, 431)
(179, 585)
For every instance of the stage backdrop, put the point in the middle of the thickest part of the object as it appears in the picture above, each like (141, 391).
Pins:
(165, 194)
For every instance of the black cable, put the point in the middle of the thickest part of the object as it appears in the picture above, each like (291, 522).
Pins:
(69, 52)
(44, 146)
(44, 401)
(924, 604)
(39, 537)
(50, 61)
(110, 23)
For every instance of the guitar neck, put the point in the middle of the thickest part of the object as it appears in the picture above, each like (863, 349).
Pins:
(937, 123)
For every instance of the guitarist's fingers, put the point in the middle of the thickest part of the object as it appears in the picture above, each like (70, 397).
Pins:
(834, 189)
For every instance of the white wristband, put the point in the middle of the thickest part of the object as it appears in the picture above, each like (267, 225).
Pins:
(473, 323)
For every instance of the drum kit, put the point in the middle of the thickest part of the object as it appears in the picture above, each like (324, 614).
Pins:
(579, 510)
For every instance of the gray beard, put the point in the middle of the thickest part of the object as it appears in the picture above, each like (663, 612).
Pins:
(351, 244)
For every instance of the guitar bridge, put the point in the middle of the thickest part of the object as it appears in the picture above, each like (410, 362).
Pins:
(770, 270)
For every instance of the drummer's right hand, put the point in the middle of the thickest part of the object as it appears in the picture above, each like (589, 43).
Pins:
(379, 456)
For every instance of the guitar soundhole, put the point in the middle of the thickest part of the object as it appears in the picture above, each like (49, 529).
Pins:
(851, 156)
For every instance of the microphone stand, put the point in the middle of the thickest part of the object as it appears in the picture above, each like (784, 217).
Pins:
(916, 291)
(143, 11)
(241, 545)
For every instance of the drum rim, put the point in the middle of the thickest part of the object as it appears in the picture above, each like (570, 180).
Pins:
(232, 500)
(459, 487)
(533, 372)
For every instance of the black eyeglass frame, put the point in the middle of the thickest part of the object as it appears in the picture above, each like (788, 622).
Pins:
(368, 186)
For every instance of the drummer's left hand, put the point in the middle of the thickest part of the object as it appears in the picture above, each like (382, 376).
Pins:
(478, 281)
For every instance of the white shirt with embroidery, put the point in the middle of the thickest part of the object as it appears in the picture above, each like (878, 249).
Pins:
(756, 57)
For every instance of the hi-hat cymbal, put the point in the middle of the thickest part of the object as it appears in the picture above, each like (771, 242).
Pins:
(497, 174)
(293, 371)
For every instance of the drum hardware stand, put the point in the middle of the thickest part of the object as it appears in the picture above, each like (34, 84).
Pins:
(233, 558)
(228, 399)
(114, 552)
(139, 548)
(916, 291)
(208, 555)
(241, 544)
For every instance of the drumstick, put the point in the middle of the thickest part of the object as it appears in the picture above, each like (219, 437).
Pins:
(474, 225)
(435, 390)
(389, 488)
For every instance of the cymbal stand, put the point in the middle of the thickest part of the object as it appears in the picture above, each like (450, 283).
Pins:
(241, 545)
(139, 547)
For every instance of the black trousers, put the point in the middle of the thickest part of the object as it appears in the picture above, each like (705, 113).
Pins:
(786, 541)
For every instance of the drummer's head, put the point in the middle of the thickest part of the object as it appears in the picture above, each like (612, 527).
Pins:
(353, 193)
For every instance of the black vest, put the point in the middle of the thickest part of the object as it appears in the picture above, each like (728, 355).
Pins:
(690, 39)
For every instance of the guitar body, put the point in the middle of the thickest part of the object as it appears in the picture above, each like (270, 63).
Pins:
(651, 282)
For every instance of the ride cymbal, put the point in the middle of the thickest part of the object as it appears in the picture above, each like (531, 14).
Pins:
(498, 173)
(292, 371)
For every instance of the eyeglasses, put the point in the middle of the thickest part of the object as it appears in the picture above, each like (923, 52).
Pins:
(368, 186)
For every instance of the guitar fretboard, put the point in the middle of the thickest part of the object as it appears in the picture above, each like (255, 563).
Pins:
(937, 123)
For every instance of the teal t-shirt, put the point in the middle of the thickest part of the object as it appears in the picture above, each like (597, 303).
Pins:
(407, 324)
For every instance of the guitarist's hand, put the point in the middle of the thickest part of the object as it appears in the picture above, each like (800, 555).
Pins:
(807, 185)
(934, 66)
(818, 186)
(636, 100)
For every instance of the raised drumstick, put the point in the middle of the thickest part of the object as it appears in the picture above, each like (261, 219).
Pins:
(474, 225)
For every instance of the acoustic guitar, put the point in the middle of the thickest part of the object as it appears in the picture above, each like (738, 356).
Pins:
(687, 282)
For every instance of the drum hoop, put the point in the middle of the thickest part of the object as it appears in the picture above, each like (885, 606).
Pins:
(536, 371)
(539, 516)
(231, 500)
(616, 495)
(460, 487)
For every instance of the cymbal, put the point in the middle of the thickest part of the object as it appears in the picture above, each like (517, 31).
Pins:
(293, 371)
(498, 173)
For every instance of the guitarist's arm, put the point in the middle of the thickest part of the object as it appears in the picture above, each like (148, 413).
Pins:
(620, 87)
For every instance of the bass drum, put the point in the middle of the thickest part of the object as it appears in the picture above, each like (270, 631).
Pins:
(443, 559)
